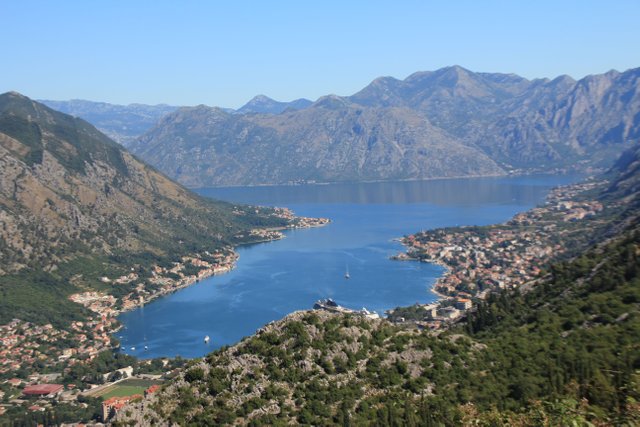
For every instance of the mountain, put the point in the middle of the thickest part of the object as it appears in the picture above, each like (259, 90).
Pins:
(332, 140)
(75, 205)
(564, 352)
(264, 105)
(444, 123)
(122, 123)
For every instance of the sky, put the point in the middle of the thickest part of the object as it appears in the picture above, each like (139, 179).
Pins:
(223, 53)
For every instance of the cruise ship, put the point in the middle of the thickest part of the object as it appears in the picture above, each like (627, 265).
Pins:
(330, 305)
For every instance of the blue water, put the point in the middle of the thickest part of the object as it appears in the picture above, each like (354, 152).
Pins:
(274, 279)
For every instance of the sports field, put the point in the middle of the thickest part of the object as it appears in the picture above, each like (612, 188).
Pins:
(124, 388)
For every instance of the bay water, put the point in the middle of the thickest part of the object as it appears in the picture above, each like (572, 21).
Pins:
(274, 279)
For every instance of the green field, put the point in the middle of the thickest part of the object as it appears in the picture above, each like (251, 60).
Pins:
(125, 388)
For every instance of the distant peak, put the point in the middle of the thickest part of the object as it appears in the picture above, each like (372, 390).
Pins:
(331, 102)
(564, 78)
(384, 80)
(260, 99)
(454, 70)
(14, 94)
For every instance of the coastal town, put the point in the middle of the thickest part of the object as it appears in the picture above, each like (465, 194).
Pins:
(481, 260)
(34, 358)
(478, 261)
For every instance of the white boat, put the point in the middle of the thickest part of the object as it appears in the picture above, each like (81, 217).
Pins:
(346, 275)
(206, 339)
(133, 348)
(146, 348)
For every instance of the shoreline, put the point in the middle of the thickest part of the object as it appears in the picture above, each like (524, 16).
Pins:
(101, 305)
(507, 255)
(513, 173)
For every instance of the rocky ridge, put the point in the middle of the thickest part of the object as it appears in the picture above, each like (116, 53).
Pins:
(445, 123)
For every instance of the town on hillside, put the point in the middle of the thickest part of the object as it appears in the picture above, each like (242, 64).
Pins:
(482, 260)
(39, 363)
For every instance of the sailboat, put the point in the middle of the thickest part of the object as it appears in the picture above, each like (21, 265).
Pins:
(346, 274)
(206, 339)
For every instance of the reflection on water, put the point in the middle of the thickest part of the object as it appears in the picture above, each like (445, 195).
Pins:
(467, 191)
(274, 279)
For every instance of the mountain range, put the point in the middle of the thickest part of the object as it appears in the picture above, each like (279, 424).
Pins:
(445, 123)
(125, 123)
(122, 123)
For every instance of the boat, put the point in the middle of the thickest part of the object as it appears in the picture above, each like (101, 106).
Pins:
(369, 314)
(346, 275)
(133, 349)
(326, 304)
(206, 339)
(146, 348)
(330, 305)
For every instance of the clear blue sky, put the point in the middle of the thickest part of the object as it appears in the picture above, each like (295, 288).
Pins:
(223, 53)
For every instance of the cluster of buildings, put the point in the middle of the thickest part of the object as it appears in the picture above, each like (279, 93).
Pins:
(482, 260)
(38, 392)
(28, 347)
(300, 221)
(24, 344)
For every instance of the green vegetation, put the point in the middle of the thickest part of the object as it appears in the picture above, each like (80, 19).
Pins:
(16, 416)
(127, 387)
(122, 390)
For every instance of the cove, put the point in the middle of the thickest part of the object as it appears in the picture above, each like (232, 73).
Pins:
(274, 279)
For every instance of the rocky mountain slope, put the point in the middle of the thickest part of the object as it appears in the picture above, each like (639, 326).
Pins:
(328, 141)
(74, 204)
(449, 122)
(564, 353)
(122, 123)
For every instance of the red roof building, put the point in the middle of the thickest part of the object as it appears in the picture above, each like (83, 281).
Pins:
(15, 382)
(48, 390)
(152, 389)
(111, 406)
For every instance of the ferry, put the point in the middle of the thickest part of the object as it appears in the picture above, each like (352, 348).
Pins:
(330, 305)
(326, 304)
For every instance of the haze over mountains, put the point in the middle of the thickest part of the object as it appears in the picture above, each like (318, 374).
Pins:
(446, 123)
(125, 123)
(122, 123)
